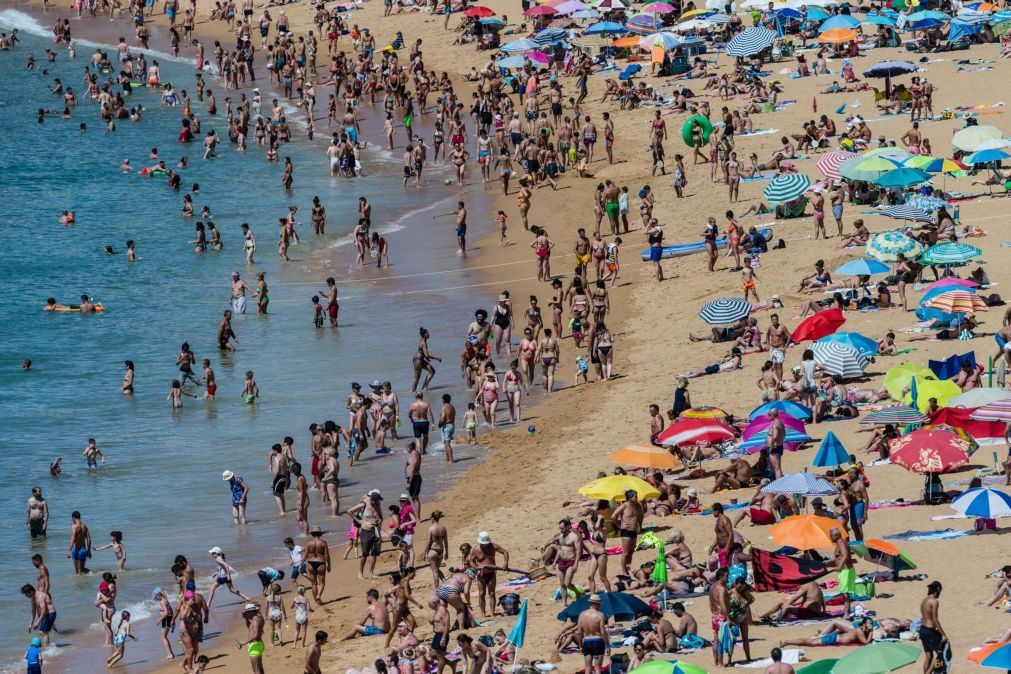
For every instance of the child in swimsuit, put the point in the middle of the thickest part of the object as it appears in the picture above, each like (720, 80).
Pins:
(470, 423)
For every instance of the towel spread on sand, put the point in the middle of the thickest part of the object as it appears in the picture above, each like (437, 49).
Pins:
(791, 656)
(913, 535)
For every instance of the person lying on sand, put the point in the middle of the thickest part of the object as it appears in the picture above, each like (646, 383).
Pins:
(730, 362)
(837, 633)
(807, 604)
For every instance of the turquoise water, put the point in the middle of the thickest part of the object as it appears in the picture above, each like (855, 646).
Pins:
(162, 483)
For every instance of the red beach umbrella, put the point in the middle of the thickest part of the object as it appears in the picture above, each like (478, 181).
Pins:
(816, 326)
(696, 432)
(930, 451)
(479, 11)
(540, 10)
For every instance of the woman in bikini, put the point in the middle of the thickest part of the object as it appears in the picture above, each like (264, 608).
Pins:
(534, 321)
(597, 537)
(598, 249)
(423, 362)
(515, 388)
(542, 246)
(523, 199)
(557, 297)
(600, 300)
(390, 407)
(488, 394)
(527, 349)
(602, 344)
(454, 592)
(548, 351)
(435, 549)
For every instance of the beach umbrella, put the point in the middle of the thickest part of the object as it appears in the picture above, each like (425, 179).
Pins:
(691, 14)
(942, 390)
(1001, 27)
(899, 376)
(817, 14)
(659, 575)
(613, 488)
(618, 605)
(994, 655)
(831, 452)
(906, 212)
(950, 252)
(719, 18)
(585, 14)
(757, 441)
(838, 21)
(878, 658)
(517, 61)
(935, 164)
(786, 187)
(980, 396)
(479, 11)
(986, 156)
(493, 22)
(983, 502)
(818, 325)
(829, 163)
(725, 310)
(570, 7)
(819, 667)
(930, 451)
(540, 10)
(794, 409)
(839, 359)
(951, 282)
(879, 164)
(519, 631)
(862, 267)
(646, 456)
(658, 7)
(667, 667)
(956, 302)
(693, 25)
(800, 484)
(805, 532)
(853, 340)
(704, 412)
(999, 410)
(896, 154)
(630, 41)
(891, 69)
(886, 246)
(878, 20)
(971, 137)
(900, 415)
(993, 144)
(883, 554)
(751, 41)
(762, 423)
(941, 289)
(696, 432)
(520, 45)
(848, 169)
(606, 28)
(902, 177)
(609, 5)
(837, 36)
(665, 39)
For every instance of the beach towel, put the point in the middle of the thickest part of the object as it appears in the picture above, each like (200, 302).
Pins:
(775, 571)
(759, 132)
(913, 535)
(791, 656)
(896, 503)
(756, 179)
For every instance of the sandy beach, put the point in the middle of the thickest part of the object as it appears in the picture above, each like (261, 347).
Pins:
(517, 489)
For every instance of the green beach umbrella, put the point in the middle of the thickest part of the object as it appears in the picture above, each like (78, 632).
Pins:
(820, 667)
(903, 177)
(668, 667)
(1001, 27)
(877, 658)
(660, 568)
(878, 164)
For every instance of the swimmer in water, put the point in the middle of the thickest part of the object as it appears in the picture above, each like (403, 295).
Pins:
(54, 468)
(125, 166)
(67, 218)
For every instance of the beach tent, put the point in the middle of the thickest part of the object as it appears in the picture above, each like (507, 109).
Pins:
(831, 452)
(949, 367)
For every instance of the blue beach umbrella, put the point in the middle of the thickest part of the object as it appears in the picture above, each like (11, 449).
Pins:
(854, 340)
(878, 20)
(923, 24)
(519, 631)
(520, 45)
(817, 14)
(838, 21)
(831, 452)
(903, 177)
(618, 605)
(803, 484)
(999, 658)
(758, 439)
(950, 252)
(862, 267)
(585, 14)
(750, 41)
(925, 203)
(987, 156)
(983, 502)
(891, 69)
(786, 187)
(606, 28)
(795, 410)
(886, 246)
(907, 212)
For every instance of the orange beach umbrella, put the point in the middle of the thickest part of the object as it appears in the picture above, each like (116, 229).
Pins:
(805, 532)
(837, 35)
(645, 456)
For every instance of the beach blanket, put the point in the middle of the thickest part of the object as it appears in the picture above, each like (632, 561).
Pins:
(987, 479)
(791, 656)
(775, 571)
(896, 503)
(913, 535)
(756, 179)
(759, 132)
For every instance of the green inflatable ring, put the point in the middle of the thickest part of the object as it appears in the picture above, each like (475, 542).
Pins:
(686, 130)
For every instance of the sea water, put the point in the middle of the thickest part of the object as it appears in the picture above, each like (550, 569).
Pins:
(161, 485)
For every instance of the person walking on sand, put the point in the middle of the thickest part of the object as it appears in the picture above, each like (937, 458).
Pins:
(592, 636)
(932, 635)
(313, 653)
(317, 559)
(254, 633)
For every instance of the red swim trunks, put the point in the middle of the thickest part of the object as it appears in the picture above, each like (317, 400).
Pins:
(759, 516)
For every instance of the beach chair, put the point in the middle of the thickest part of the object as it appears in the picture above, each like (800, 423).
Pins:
(629, 72)
(995, 469)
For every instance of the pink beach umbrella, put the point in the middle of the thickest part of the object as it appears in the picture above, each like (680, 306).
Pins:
(759, 424)
(538, 56)
(570, 7)
(830, 161)
(951, 282)
(540, 10)
(658, 8)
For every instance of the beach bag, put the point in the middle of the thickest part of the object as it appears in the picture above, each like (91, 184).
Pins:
(864, 588)
(510, 603)
(619, 663)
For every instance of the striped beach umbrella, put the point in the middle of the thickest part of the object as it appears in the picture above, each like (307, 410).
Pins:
(900, 415)
(956, 302)
(792, 437)
(800, 484)
(854, 340)
(829, 163)
(999, 410)
(983, 502)
(950, 252)
(886, 246)
(696, 432)
(951, 282)
(725, 310)
(570, 7)
(839, 359)
(751, 41)
(862, 267)
(907, 212)
(786, 187)
(934, 164)
(520, 45)
(658, 7)
(665, 39)
(609, 5)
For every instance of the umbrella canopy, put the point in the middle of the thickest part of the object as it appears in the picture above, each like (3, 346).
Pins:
(839, 359)
(805, 532)
(898, 378)
(570, 7)
(818, 325)
(606, 28)
(907, 212)
(883, 554)
(891, 69)
(668, 667)
(829, 163)
(691, 14)
(519, 631)
(942, 391)
(983, 502)
(762, 423)
(704, 412)
(926, 203)
(693, 24)
(971, 137)
(930, 451)
(515, 61)
(886, 246)
(863, 267)
(848, 169)
(854, 340)
(794, 409)
(540, 10)
(838, 21)
(951, 282)
(878, 20)
(608, 5)
(493, 22)
(522, 44)
(618, 605)
(999, 410)
(877, 658)
(646, 456)
(837, 36)
(903, 177)
(878, 163)
(630, 41)
(613, 488)
(819, 667)
(665, 39)
(979, 397)
(758, 440)
(692, 432)
(900, 415)
(750, 41)
(725, 310)
(800, 484)
(950, 252)
(934, 164)
(786, 187)
(957, 302)
(896, 154)
(998, 656)
(586, 14)
(831, 452)
(479, 10)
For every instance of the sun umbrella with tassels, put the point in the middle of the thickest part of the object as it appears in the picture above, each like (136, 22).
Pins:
(933, 451)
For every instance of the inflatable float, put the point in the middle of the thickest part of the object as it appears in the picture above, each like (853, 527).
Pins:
(686, 130)
(682, 249)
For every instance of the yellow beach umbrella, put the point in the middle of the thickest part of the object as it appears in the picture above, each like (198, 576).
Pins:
(704, 412)
(926, 389)
(695, 12)
(613, 488)
(646, 456)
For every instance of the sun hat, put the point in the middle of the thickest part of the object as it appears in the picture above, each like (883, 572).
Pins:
(155, 592)
(594, 599)
(214, 551)
(483, 538)
(250, 608)
(405, 497)
(316, 531)
(692, 492)
(227, 475)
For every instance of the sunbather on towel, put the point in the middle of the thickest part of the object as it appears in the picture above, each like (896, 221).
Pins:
(838, 633)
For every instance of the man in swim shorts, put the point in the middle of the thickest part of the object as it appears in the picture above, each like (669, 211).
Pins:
(592, 635)
(79, 549)
(375, 613)
(43, 611)
(37, 514)
(254, 643)
(842, 563)
(420, 414)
